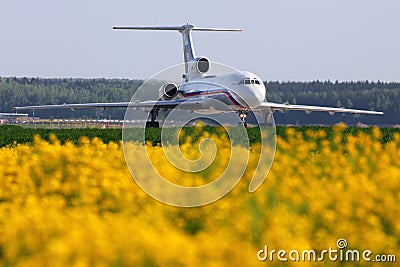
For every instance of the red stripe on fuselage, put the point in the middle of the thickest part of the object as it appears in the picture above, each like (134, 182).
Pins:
(214, 92)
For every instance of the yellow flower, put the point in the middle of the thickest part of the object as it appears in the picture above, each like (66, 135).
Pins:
(77, 205)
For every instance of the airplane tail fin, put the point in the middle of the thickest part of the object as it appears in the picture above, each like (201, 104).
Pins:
(188, 51)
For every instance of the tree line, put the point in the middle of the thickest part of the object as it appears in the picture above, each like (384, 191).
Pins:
(382, 96)
(379, 96)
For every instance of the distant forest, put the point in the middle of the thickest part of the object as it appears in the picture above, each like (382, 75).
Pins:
(360, 95)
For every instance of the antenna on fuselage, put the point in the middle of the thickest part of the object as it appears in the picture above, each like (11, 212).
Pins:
(188, 51)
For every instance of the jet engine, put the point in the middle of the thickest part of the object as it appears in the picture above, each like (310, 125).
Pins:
(168, 91)
(202, 64)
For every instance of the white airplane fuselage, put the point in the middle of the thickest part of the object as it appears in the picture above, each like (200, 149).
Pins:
(240, 90)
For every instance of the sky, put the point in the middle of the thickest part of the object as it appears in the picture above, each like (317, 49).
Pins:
(285, 40)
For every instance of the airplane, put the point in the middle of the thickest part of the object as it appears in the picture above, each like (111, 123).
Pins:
(242, 91)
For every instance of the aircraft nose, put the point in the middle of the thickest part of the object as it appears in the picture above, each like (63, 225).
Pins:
(255, 96)
(259, 94)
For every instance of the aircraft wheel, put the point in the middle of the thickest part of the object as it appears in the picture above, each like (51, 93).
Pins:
(152, 124)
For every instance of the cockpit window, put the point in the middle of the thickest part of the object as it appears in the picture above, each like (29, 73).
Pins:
(249, 81)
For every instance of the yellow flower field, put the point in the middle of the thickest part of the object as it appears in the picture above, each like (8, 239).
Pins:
(77, 205)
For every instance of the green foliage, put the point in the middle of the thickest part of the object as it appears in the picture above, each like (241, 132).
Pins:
(38, 91)
(358, 95)
(12, 135)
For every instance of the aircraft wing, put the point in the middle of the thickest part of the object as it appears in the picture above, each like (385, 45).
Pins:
(196, 103)
(193, 103)
(309, 109)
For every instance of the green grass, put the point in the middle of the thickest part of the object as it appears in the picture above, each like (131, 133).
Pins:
(12, 134)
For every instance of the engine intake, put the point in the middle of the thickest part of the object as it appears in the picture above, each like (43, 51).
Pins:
(202, 64)
(168, 91)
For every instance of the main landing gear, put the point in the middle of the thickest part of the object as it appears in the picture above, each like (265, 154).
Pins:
(153, 123)
(242, 116)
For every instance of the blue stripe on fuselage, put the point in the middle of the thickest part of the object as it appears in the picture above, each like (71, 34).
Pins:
(213, 92)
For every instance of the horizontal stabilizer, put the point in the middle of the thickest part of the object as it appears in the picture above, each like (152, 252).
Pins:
(188, 51)
(175, 28)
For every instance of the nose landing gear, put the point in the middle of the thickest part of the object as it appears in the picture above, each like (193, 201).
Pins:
(242, 116)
